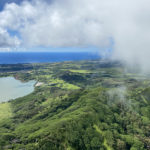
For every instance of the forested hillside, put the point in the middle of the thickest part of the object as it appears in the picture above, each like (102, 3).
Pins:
(86, 105)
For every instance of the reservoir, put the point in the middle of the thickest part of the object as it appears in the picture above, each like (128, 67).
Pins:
(10, 88)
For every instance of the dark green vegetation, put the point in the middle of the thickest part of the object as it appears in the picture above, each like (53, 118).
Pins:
(87, 105)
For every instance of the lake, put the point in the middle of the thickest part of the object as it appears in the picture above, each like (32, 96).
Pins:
(10, 88)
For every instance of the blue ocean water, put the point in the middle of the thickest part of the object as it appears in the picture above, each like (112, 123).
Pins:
(43, 57)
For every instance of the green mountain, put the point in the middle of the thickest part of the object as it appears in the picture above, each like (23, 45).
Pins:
(86, 105)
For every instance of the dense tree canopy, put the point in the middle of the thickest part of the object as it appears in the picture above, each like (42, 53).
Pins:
(87, 105)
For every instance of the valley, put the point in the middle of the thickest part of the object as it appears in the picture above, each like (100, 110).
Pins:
(88, 105)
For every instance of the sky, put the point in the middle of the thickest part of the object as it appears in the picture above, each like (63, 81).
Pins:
(121, 27)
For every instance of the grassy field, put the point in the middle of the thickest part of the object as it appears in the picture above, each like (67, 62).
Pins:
(5, 111)
(81, 71)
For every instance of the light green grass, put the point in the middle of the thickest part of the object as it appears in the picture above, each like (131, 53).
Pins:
(81, 71)
(143, 98)
(5, 111)
(105, 141)
(63, 84)
(70, 148)
(59, 83)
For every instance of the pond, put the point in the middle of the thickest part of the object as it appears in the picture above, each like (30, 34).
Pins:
(10, 88)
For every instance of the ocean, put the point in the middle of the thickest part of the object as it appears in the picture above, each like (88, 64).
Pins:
(44, 57)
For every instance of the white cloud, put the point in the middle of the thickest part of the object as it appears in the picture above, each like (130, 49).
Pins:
(6, 41)
(64, 23)
(58, 24)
